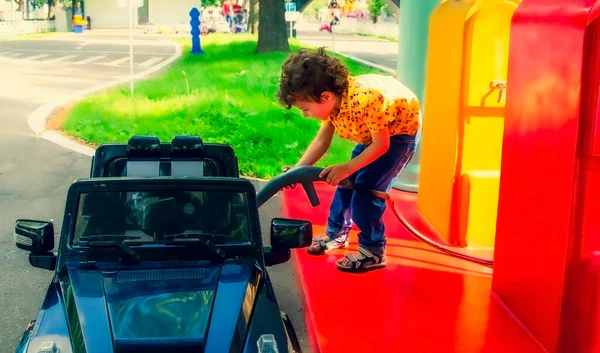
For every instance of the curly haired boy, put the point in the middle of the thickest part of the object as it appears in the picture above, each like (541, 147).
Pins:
(377, 113)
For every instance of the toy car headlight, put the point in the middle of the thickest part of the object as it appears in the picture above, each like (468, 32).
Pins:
(48, 347)
(267, 344)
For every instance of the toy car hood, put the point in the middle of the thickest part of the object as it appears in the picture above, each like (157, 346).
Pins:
(185, 309)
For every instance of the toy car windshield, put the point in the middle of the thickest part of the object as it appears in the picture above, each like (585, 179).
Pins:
(156, 216)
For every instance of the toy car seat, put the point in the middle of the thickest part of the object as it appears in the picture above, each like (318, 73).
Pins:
(146, 156)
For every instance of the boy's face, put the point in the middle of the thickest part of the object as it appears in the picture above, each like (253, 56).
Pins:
(319, 110)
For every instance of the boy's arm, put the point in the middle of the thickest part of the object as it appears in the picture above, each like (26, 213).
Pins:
(339, 172)
(376, 118)
(318, 146)
(379, 146)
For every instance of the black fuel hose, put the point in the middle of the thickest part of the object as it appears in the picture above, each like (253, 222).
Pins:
(307, 175)
(304, 175)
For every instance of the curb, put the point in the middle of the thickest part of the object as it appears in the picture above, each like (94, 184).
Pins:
(38, 119)
(368, 63)
(68, 143)
(362, 61)
(31, 36)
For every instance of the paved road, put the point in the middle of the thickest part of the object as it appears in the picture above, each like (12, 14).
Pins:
(85, 53)
(378, 51)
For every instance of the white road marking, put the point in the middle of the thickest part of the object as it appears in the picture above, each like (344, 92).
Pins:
(37, 57)
(62, 58)
(150, 62)
(89, 60)
(119, 61)
(167, 54)
(37, 120)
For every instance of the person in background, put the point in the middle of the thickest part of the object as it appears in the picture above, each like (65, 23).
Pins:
(228, 12)
(237, 12)
(334, 19)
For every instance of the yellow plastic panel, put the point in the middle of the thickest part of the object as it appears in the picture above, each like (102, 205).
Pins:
(463, 130)
(441, 110)
(486, 66)
(479, 206)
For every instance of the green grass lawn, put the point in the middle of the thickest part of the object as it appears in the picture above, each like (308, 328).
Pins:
(227, 95)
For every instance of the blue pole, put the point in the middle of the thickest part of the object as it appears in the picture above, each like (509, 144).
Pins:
(195, 23)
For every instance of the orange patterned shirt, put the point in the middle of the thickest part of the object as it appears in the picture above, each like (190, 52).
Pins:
(373, 102)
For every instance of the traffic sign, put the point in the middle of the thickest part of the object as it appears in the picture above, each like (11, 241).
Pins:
(290, 7)
(135, 3)
(292, 16)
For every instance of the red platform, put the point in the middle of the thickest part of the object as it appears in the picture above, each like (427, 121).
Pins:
(424, 301)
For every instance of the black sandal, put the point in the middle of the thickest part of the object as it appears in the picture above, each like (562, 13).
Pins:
(361, 261)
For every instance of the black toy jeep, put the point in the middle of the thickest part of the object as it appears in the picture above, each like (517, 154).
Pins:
(161, 251)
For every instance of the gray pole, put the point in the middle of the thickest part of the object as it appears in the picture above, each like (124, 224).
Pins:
(412, 56)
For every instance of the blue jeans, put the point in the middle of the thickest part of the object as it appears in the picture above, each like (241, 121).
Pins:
(363, 208)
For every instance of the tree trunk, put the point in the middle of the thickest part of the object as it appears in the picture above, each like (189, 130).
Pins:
(20, 5)
(51, 9)
(253, 17)
(272, 32)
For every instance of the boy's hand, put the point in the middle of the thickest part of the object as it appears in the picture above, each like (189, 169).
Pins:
(336, 173)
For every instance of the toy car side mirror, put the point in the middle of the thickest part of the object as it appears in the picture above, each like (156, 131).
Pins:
(34, 236)
(290, 233)
(286, 234)
(37, 237)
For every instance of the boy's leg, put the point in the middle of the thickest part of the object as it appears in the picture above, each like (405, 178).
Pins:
(368, 209)
(339, 221)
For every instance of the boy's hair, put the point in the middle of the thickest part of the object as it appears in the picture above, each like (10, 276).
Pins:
(308, 73)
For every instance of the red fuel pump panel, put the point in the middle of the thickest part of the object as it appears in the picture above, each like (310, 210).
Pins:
(549, 204)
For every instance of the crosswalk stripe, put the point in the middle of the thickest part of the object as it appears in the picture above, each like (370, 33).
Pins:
(62, 58)
(89, 60)
(37, 57)
(149, 62)
(119, 61)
